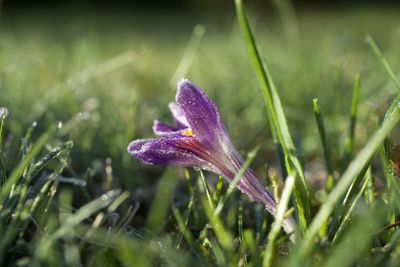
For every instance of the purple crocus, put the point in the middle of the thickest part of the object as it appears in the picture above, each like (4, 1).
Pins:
(199, 140)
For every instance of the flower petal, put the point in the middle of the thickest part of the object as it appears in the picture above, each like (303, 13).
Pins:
(178, 115)
(161, 129)
(200, 112)
(167, 150)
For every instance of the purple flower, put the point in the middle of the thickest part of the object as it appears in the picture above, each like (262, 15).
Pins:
(199, 140)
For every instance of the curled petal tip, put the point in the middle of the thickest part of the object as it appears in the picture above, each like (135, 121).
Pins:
(141, 150)
(135, 147)
(184, 82)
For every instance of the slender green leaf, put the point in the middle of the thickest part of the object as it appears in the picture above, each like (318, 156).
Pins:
(279, 218)
(353, 114)
(278, 118)
(383, 60)
(326, 148)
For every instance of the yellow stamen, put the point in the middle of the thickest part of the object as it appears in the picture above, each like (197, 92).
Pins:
(187, 132)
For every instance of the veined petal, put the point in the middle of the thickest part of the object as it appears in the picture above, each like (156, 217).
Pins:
(179, 116)
(161, 129)
(200, 112)
(167, 150)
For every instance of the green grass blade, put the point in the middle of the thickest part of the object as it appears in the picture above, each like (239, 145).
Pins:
(383, 60)
(223, 235)
(325, 146)
(353, 114)
(40, 164)
(277, 116)
(357, 166)
(3, 115)
(279, 218)
(16, 174)
(370, 191)
(204, 189)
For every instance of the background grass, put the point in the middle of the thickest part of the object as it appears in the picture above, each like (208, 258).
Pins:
(102, 79)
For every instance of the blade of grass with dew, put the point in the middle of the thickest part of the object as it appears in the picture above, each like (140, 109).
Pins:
(25, 142)
(24, 211)
(36, 167)
(279, 218)
(358, 165)
(40, 164)
(325, 146)
(159, 207)
(16, 174)
(383, 60)
(278, 118)
(188, 56)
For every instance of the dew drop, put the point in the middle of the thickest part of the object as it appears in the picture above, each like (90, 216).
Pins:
(59, 125)
(34, 124)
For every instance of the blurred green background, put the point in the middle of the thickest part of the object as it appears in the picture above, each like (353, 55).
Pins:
(107, 71)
